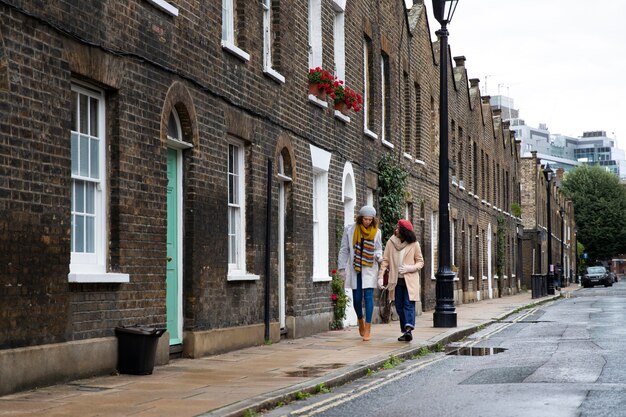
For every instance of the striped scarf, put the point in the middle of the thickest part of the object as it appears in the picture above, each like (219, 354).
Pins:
(363, 241)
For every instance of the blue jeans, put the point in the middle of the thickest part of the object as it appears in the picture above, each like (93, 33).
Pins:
(404, 307)
(357, 298)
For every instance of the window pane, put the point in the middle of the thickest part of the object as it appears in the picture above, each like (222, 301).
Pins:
(172, 127)
(93, 116)
(83, 118)
(79, 234)
(74, 115)
(83, 158)
(74, 154)
(79, 196)
(232, 234)
(90, 197)
(90, 235)
(94, 158)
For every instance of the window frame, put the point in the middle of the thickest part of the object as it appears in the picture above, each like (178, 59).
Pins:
(229, 41)
(92, 267)
(268, 46)
(320, 160)
(237, 271)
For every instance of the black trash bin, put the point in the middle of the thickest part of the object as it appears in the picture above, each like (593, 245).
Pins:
(136, 349)
(536, 285)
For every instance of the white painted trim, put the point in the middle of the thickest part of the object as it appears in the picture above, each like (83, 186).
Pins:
(420, 162)
(229, 46)
(105, 278)
(274, 75)
(340, 116)
(321, 278)
(407, 156)
(320, 158)
(236, 276)
(165, 6)
(319, 103)
(369, 133)
(387, 144)
(348, 184)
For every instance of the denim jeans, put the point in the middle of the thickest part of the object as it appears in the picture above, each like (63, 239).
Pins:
(357, 298)
(404, 307)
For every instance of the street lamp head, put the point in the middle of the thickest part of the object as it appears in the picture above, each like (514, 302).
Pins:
(443, 10)
(548, 173)
(562, 211)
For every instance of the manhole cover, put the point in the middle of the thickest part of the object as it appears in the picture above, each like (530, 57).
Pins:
(473, 351)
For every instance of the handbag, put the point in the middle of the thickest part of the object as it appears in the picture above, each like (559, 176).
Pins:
(386, 277)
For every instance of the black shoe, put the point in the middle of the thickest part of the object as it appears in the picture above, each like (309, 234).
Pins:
(406, 337)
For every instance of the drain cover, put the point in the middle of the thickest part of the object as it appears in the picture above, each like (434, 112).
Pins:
(473, 351)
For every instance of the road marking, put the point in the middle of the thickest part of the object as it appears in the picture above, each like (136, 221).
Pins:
(339, 399)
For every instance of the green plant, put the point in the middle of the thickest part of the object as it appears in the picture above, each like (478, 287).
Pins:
(249, 413)
(340, 301)
(340, 93)
(516, 210)
(268, 342)
(321, 77)
(392, 180)
(370, 372)
(301, 395)
(321, 389)
(392, 362)
(423, 351)
(439, 347)
(280, 404)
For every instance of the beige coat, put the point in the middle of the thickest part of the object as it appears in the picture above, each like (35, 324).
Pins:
(412, 259)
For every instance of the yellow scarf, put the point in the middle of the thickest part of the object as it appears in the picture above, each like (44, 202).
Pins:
(367, 233)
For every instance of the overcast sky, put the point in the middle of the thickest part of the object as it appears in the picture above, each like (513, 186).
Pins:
(562, 61)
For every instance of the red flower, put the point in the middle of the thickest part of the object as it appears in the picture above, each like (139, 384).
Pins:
(333, 297)
(333, 272)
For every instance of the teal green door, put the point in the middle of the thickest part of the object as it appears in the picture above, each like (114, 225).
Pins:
(173, 298)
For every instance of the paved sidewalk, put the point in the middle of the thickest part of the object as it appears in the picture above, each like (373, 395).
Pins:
(229, 384)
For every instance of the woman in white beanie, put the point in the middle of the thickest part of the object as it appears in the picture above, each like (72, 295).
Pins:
(361, 251)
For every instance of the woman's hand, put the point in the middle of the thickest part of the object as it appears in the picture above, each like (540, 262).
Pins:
(407, 269)
(380, 284)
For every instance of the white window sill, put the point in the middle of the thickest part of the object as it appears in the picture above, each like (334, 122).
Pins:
(461, 188)
(471, 278)
(105, 278)
(319, 103)
(339, 115)
(165, 6)
(387, 144)
(321, 278)
(233, 49)
(242, 276)
(369, 133)
(420, 162)
(274, 75)
(408, 156)
(471, 194)
(455, 184)
(496, 277)
(484, 278)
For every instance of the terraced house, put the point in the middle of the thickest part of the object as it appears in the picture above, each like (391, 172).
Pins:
(163, 162)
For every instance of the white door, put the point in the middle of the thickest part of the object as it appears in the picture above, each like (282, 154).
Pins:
(282, 207)
(349, 197)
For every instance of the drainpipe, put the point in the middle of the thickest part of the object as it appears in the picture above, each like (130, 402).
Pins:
(268, 242)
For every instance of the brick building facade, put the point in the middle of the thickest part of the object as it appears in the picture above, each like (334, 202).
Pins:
(138, 142)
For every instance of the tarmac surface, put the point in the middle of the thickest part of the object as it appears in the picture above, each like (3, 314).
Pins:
(254, 378)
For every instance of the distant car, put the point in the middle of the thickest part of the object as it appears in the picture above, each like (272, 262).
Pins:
(597, 275)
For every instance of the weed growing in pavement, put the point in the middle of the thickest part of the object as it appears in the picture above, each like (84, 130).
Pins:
(392, 362)
(439, 347)
(249, 413)
(300, 395)
(280, 404)
(321, 389)
(268, 342)
(422, 352)
(370, 372)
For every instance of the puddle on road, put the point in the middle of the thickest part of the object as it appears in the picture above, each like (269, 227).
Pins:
(313, 371)
(473, 351)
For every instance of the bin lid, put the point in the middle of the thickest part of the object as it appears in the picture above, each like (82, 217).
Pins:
(141, 330)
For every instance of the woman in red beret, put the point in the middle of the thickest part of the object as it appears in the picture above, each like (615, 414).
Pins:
(403, 257)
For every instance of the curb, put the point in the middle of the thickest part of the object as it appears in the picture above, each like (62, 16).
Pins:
(352, 372)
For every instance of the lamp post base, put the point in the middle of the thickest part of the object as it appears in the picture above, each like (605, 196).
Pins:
(445, 312)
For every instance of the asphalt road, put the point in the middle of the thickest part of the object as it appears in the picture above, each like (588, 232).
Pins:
(565, 358)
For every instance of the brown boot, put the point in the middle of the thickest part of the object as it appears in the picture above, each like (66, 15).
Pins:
(367, 332)
(361, 327)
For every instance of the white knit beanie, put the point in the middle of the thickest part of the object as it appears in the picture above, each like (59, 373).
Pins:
(367, 211)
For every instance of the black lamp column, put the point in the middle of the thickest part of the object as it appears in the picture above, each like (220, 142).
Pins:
(576, 255)
(563, 275)
(547, 172)
(445, 312)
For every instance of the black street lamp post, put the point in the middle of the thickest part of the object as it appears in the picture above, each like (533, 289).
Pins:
(547, 172)
(445, 312)
(563, 275)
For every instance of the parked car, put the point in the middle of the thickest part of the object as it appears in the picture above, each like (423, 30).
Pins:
(597, 275)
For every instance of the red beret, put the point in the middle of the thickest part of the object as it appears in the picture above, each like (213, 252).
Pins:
(406, 224)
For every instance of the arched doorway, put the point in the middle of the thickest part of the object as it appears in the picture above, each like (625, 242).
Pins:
(348, 196)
